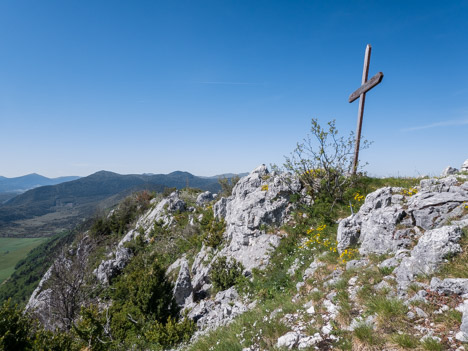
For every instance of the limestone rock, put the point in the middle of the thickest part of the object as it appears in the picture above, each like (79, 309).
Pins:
(204, 198)
(162, 212)
(389, 221)
(201, 268)
(258, 200)
(309, 272)
(450, 286)
(112, 267)
(226, 305)
(118, 260)
(288, 340)
(464, 167)
(183, 285)
(449, 171)
(433, 247)
(375, 224)
(431, 209)
(462, 335)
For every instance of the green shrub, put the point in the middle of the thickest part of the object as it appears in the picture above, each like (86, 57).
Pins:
(323, 162)
(225, 274)
(118, 221)
(141, 295)
(90, 329)
(15, 328)
(212, 228)
(171, 333)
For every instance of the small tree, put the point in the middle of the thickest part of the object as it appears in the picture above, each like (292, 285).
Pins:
(323, 162)
(227, 184)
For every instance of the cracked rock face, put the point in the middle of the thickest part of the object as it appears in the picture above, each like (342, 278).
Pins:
(450, 286)
(183, 285)
(258, 200)
(375, 224)
(389, 221)
(219, 311)
(431, 250)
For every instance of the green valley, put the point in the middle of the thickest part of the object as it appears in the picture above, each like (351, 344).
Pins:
(12, 250)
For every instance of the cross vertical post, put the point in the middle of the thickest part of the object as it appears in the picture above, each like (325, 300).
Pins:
(362, 100)
(361, 93)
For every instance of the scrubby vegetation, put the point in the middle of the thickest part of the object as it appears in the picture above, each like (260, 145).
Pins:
(225, 273)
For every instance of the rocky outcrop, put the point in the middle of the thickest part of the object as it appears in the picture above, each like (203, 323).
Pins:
(58, 298)
(450, 286)
(204, 198)
(212, 313)
(162, 211)
(431, 250)
(183, 285)
(464, 167)
(375, 225)
(259, 201)
(449, 171)
(119, 258)
(391, 220)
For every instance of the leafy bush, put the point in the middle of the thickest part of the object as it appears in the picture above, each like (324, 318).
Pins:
(212, 228)
(15, 328)
(171, 333)
(90, 328)
(141, 295)
(323, 162)
(225, 274)
(118, 221)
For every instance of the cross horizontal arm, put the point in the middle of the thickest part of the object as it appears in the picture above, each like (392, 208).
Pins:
(366, 86)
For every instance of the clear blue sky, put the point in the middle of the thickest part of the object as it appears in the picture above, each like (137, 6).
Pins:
(223, 86)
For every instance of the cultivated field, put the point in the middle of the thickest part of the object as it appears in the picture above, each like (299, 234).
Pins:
(13, 250)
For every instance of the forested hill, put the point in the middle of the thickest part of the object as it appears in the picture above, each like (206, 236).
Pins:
(49, 209)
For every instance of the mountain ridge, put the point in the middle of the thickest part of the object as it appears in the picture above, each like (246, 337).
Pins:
(29, 181)
(45, 210)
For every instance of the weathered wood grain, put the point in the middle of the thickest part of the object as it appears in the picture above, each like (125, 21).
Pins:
(375, 80)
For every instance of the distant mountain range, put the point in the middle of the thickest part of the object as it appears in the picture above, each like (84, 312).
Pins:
(46, 210)
(30, 181)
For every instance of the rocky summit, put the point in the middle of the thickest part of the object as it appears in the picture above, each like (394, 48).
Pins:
(262, 267)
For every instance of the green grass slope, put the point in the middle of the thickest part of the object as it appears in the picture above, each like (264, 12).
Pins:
(12, 250)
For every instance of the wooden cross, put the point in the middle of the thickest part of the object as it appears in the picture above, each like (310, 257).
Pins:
(361, 94)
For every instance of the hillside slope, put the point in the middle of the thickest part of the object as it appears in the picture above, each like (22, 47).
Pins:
(47, 210)
(268, 268)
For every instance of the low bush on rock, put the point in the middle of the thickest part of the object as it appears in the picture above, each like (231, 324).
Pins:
(323, 162)
(212, 228)
(225, 273)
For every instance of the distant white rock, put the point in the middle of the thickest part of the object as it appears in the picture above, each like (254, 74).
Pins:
(449, 171)
(464, 167)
